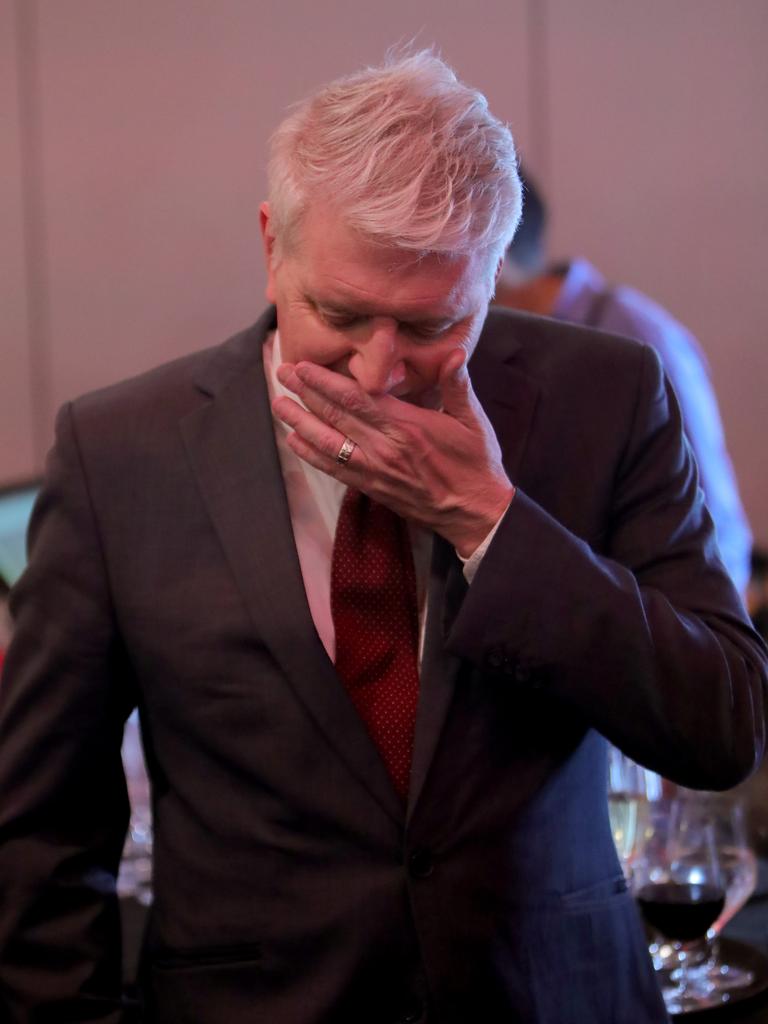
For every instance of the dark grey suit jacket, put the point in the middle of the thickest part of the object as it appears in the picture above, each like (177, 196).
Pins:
(291, 886)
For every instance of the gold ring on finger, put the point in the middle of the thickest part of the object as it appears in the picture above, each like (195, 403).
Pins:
(345, 452)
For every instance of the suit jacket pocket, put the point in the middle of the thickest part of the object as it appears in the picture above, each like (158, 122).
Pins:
(597, 896)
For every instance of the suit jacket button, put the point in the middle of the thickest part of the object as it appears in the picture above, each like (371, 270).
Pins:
(495, 659)
(420, 865)
(412, 1013)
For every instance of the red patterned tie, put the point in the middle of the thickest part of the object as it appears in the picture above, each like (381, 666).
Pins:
(373, 600)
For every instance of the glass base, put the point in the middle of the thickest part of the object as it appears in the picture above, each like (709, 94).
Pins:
(723, 976)
(703, 987)
(692, 996)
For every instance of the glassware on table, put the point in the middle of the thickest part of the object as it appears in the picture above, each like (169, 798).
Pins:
(135, 876)
(680, 891)
(630, 788)
(738, 867)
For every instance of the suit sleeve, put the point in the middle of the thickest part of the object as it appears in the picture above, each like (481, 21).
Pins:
(647, 641)
(63, 806)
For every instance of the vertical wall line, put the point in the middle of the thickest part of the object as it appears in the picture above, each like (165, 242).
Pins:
(34, 224)
(539, 80)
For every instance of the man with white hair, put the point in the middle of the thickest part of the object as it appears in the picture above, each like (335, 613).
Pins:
(383, 574)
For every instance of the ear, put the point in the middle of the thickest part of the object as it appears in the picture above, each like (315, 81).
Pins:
(268, 240)
(496, 275)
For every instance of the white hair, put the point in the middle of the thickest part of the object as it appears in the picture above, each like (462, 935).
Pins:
(407, 154)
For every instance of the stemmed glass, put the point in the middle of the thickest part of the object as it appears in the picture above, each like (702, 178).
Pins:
(630, 788)
(738, 866)
(679, 889)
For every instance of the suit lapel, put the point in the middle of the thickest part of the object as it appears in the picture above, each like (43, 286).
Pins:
(509, 395)
(439, 669)
(230, 445)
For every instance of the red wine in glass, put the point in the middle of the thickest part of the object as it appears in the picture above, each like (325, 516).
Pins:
(681, 911)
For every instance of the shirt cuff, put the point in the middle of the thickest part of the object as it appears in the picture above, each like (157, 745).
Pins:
(472, 563)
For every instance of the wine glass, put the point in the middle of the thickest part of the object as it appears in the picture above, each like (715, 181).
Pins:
(738, 867)
(680, 892)
(630, 787)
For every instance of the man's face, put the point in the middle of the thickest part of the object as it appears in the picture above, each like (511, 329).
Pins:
(374, 313)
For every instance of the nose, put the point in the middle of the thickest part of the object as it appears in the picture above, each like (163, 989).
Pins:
(376, 363)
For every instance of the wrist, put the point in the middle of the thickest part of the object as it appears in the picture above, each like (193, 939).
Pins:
(467, 536)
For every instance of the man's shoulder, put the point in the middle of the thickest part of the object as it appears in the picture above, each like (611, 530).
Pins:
(547, 347)
(178, 386)
(568, 374)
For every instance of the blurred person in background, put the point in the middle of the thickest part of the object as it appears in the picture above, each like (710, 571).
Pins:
(383, 574)
(577, 292)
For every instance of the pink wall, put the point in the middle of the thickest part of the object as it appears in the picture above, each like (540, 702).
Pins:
(142, 144)
(17, 451)
(659, 162)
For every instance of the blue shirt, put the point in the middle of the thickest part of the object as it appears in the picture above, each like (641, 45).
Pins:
(585, 297)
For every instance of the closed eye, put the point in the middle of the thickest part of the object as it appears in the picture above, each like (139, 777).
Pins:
(425, 331)
(335, 319)
(342, 322)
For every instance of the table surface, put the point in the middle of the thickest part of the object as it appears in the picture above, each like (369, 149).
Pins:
(751, 926)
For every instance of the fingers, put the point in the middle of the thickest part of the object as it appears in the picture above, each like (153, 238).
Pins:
(439, 470)
(328, 464)
(314, 440)
(335, 399)
(455, 363)
(336, 408)
(456, 389)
